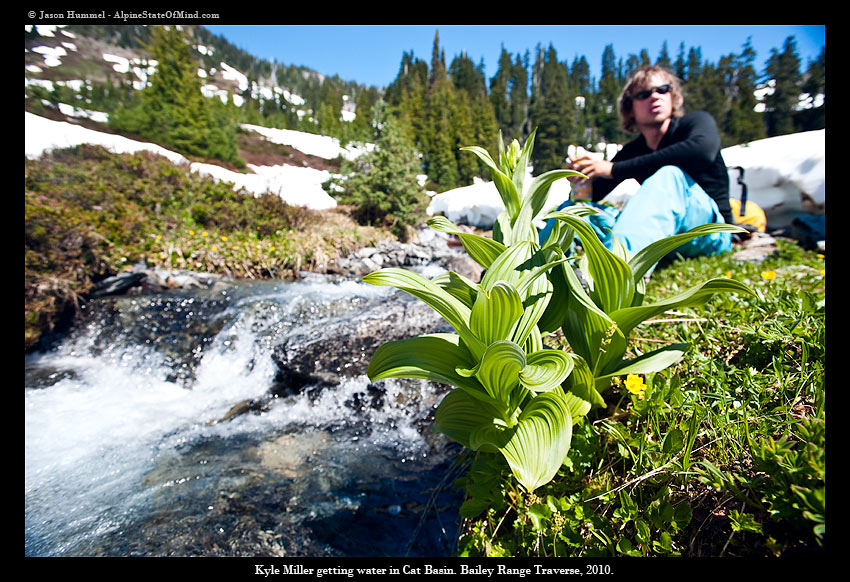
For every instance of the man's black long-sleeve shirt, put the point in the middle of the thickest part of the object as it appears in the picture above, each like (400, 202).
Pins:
(691, 143)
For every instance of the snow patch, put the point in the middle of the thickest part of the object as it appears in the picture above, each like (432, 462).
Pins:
(781, 174)
(295, 185)
(316, 145)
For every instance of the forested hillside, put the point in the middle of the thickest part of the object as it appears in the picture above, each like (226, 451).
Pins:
(444, 104)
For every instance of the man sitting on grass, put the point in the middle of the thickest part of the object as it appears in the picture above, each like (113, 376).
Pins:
(676, 158)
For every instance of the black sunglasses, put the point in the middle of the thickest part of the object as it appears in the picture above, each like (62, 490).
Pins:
(641, 95)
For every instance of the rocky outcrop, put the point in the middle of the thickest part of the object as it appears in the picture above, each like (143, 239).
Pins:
(143, 278)
(326, 352)
(429, 248)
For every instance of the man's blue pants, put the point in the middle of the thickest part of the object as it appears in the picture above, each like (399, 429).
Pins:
(669, 202)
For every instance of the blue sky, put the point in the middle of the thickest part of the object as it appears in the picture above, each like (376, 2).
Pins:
(371, 54)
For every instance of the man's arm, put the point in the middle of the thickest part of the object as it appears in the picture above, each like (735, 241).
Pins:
(697, 144)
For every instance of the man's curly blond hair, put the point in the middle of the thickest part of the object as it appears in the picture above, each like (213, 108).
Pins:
(638, 82)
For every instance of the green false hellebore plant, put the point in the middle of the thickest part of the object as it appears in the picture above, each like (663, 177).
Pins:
(597, 322)
(508, 395)
(513, 395)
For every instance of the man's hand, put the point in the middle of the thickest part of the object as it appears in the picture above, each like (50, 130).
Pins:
(591, 168)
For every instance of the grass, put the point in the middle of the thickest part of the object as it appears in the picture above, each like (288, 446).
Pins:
(722, 455)
(90, 214)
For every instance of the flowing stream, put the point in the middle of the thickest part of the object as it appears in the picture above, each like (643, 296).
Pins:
(162, 425)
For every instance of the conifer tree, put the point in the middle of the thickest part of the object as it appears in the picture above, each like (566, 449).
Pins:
(173, 111)
(743, 123)
(583, 88)
(552, 115)
(363, 109)
(610, 86)
(383, 184)
(475, 119)
(679, 67)
(499, 91)
(663, 59)
(814, 88)
(439, 138)
(518, 127)
(784, 69)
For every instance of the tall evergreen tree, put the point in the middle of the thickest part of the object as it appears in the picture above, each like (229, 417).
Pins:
(812, 115)
(475, 117)
(610, 86)
(383, 184)
(663, 59)
(581, 83)
(553, 115)
(173, 111)
(440, 143)
(680, 66)
(500, 90)
(518, 128)
(743, 123)
(783, 68)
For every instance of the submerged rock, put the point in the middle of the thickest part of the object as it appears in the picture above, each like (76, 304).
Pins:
(325, 352)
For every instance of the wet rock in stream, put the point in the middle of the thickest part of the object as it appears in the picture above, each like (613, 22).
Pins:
(327, 351)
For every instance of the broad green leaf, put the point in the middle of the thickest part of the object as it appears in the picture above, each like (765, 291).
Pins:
(483, 250)
(581, 384)
(450, 307)
(613, 282)
(673, 442)
(562, 236)
(498, 371)
(630, 317)
(505, 186)
(556, 310)
(489, 438)
(646, 258)
(538, 190)
(545, 370)
(458, 286)
(522, 163)
(432, 357)
(435, 357)
(495, 313)
(503, 165)
(654, 361)
(539, 442)
(578, 407)
(589, 331)
(518, 265)
(459, 415)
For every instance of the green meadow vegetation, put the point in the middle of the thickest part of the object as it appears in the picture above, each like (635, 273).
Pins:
(683, 416)
(90, 214)
(722, 454)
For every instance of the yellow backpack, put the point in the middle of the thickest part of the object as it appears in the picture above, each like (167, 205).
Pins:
(752, 215)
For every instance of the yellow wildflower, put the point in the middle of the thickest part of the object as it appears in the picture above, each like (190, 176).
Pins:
(224, 239)
(769, 275)
(635, 385)
(191, 232)
(204, 233)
